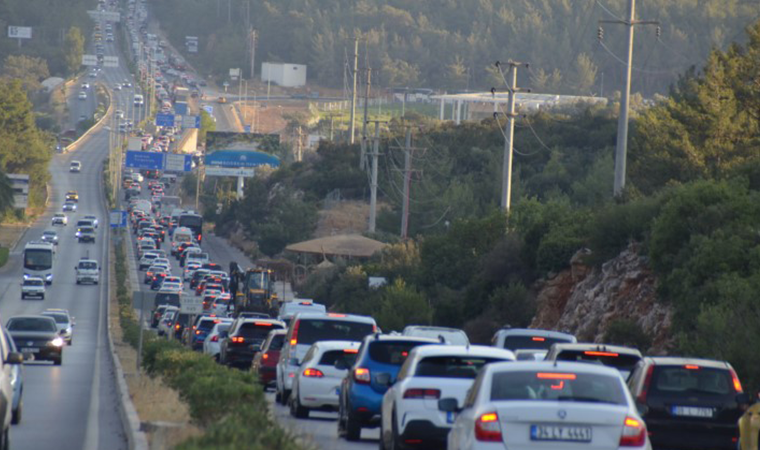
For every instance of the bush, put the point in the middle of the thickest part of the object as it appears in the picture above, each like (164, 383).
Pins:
(629, 333)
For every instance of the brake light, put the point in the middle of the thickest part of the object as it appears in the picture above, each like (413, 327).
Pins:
(691, 367)
(176, 326)
(197, 331)
(361, 375)
(265, 356)
(313, 373)
(263, 324)
(350, 350)
(487, 428)
(424, 394)
(294, 336)
(634, 433)
(374, 328)
(610, 354)
(336, 315)
(642, 398)
(538, 339)
(737, 383)
(214, 338)
(238, 339)
(555, 376)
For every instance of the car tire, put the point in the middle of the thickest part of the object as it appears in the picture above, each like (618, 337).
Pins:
(284, 398)
(395, 439)
(58, 361)
(353, 429)
(23, 296)
(5, 441)
(277, 396)
(78, 282)
(17, 413)
(297, 410)
(70, 342)
(42, 297)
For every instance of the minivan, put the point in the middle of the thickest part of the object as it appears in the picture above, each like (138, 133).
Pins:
(529, 338)
(289, 309)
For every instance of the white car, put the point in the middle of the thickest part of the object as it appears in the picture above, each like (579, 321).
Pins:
(82, 95)
(88, 271)
(119, 114)
(147, 259)
(190, 269)
(63, 321)
(211, 345)
(546, 405)
(409, 411)
(33, 287)
(59, 219)
(452, 336)
(167, 320)
(163, 261)
(94, 220)
(317, 384)
(75, 167)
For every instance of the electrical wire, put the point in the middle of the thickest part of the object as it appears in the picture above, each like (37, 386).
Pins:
(637, 69)
(612, 14)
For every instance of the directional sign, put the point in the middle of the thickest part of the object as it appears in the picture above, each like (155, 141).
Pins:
(89, 60)
(135, 143)
(176, 162)
(190, 304)
(111, 16)
(145, 160)
(20, 32)
(111, 61)
(191, 121)
(209, 109)
(118, 219)
(216, 171)
(241, 158)
(180, 108)
(164, 120)
(247, 128)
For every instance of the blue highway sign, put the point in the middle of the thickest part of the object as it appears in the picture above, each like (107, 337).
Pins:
(145, 160)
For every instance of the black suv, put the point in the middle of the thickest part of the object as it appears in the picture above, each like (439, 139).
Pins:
(688, 403)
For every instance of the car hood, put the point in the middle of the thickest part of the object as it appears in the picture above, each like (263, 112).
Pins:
(34, 334)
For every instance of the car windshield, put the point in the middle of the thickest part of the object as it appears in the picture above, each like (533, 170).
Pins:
(455, 337)
(207, 324)
(33, 282)
(556, 386)
(452, 366)
(58, 317)
(31, 324)
(257, 330)
(688, 380)
(88, 265)
(313, 330)
(38, 259)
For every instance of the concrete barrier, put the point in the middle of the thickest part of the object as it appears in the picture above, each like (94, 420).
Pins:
(73, 146)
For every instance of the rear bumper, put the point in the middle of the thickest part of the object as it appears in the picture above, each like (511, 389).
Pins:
(704, 436)
(365, 405)
(424, 434)
(267, 375)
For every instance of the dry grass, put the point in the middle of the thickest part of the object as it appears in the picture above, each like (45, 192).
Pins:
(346, 217)
(10, 233)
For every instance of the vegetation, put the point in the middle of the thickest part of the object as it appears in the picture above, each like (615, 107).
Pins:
(453, 46)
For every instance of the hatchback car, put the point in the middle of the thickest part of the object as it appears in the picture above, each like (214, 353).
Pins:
(265, 362)
(37, 337)
(558, 405)
(689, 403)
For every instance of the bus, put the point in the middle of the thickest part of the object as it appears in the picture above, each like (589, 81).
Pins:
(194, 222)
(38, 260)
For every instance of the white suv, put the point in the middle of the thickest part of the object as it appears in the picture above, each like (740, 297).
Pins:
(33, 287)
(88, 271)
(431, 372)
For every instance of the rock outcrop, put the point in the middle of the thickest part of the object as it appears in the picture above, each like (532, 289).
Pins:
(585, 300)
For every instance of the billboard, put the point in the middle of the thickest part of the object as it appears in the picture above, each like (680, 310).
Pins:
(225, 140)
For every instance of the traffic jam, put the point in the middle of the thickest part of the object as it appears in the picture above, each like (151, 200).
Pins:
(425, 386)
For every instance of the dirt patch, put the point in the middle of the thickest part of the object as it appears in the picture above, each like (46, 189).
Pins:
(346, 217)
(270, 117)
(11, 233)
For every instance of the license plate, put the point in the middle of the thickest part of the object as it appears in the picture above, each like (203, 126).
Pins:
(560, 433)
(30, 350)
(692, 411)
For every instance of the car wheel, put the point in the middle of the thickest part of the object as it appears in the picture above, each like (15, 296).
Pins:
(58, 361)
(297, 410)
(77, 281)
(353, 429)
(71, 341)
(277, 396)
(285, 396)
(23, 296)
(42, 297)
(395, 440)
(17, 413)
(5, 441)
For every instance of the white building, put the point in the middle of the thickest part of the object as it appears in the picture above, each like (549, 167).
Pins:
(283, 74)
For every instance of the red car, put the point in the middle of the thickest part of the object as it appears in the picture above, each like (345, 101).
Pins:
(265, 361)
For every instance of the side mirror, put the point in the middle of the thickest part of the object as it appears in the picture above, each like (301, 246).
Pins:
(448, 404)
(14, 358)
(383, 379)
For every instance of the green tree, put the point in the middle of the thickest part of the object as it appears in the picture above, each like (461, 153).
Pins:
(402, 305)
(207, 124)
(584, 75)
(29, 70)
(73, 49)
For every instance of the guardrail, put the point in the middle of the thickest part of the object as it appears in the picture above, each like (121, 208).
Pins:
(73, 146)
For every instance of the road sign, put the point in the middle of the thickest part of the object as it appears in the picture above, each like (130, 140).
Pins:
(110, 61)
(164, 120)
(190, 304)
(191, 121)
(145, 160)
(111, 16)
(247, 128)
(118, 219)
(176, 162)
(241, 158)
(217, 171)
(135, 144)
(20, 185)
(181, 108)
(209, 109)
(19, 32)
(89, 60)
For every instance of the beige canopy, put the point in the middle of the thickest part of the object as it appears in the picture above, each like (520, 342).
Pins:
(354, 245)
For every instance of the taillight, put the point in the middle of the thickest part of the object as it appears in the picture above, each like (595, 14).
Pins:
(265, 356)
(737, 383)
(197, 332)
(424, 394)
(361, 375)
(238, 339)
(642, 398)
(313, 373)
(294, 336)
(487, 428)
(634, 433)
(176, 326)
(215, 338)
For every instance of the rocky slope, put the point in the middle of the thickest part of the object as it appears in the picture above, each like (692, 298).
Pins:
(585, 300)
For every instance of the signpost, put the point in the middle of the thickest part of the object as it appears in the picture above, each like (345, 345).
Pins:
(190, 304)
(145, 160)
(217, 171)
(176, 162)
(180, 108)
(110, 61)
(19, 33)
(135, 144)
(191, 121)
(20, 186)
(241, 158)
(209, 109)
(110, 16)
(164, 120)
(89, 60)
(118, 219)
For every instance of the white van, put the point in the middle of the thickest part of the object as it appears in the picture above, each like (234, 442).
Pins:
(88, 271)
(180, 236)
(139, 101)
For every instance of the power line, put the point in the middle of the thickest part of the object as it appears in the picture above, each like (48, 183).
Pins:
(613, 15)
(637, 69)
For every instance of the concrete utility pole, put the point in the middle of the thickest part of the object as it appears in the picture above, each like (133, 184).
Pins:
(352, 125)
(373, 182)
(506, 173)
(408, 149)
(253, 52)
(621, 149)
(363, 159)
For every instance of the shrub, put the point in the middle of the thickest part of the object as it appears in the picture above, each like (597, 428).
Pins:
(629, 333)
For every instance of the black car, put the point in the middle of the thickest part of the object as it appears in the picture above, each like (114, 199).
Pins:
(688, 403)
(37, 336)
(244, 339)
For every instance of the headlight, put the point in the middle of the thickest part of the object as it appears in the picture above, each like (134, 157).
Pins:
(68, 330)
(26, 275)
(57, 342)
(49, 277)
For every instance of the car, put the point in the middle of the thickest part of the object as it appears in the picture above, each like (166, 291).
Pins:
(211, 345)
(546, 405)
(430, 372)
(59, 219)
(127, 84)
(38, 337)
(361, 391)
(147, 260)
(189, 270)
(452, 336)
(289, 309)
(151, 273)
(69, 207)
(94, 220)
(170, 286)
(117, 87)
(17, 381)
(317, 384)
(75, 167)
(265, 362)
(166, 323)
(87, 271)
(198, 277)
(33, 287)
(50, 236)
(200, 331)
(529, 338)
(530, 355)
(85, 85)
(244, 339)
(119, 113)
(86, 234)
(622, 358)
(688, 402)
(64, 322)
(82, 95)
(222, 305)
(222, 100)
(72, 196)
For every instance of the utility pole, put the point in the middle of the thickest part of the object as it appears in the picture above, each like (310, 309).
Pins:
(363, 159)
(408, 171)
(621, 149)
(373, 182)
(253, 52)
(506, 173)
(352, 125)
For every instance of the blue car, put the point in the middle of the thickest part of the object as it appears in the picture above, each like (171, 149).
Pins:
(202, 328)
(361, 395)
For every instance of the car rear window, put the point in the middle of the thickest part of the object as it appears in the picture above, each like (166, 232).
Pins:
(313, 330)
(677, 380)
(330, 357)
(391, 352)
(531, 342)
(257, 330)
(552, 386)
(624, 363)
(452, 366)
(206, 324)
(277, 341)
